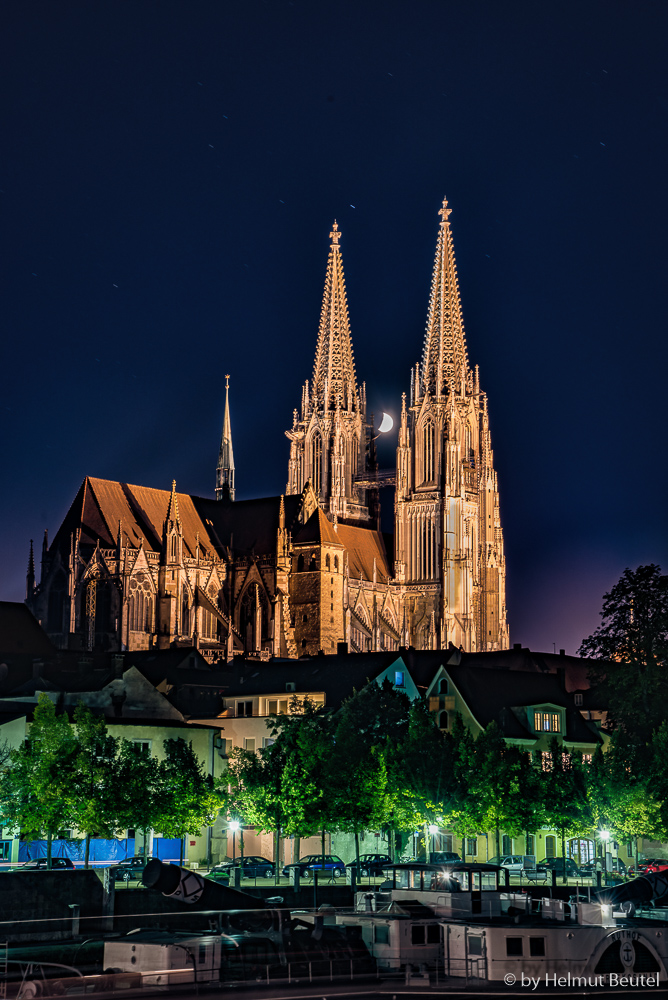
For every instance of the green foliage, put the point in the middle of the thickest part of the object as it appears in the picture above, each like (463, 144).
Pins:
(93, 776)
(185, 797)
(498, 787)
(36, 795)
(426, 764)
(138, 787)
(633, 639)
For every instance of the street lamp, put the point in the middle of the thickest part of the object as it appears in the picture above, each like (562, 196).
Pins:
(433, 829)
(233, 825)
(604, 836)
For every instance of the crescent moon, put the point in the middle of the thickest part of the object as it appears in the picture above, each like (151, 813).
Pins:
(386, 424)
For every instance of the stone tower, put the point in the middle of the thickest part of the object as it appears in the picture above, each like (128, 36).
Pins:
(449, 557)
(330, 437)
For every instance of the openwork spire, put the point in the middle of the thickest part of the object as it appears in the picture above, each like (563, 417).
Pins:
(444, 357)
(225, 469)
(334, 382)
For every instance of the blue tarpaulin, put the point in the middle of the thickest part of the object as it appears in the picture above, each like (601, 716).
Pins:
(102, 852)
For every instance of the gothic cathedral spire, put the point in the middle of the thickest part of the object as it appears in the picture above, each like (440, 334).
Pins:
(225, 470)
(444, 358)
(449, 555)
(330, 436)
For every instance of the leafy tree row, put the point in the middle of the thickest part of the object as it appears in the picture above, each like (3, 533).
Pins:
(74, 774)
(381, 762)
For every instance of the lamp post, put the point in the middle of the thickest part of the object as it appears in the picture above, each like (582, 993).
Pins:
(433, 829)
(233, 825)
(605, 837)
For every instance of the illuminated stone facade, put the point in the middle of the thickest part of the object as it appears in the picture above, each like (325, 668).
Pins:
(449, 555)
(139, 568)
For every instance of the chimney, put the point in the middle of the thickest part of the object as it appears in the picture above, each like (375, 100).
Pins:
(517, 645)
(562, 652)
(117, 664)
(342, 648)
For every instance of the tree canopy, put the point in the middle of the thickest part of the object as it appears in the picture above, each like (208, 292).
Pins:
(633, 640)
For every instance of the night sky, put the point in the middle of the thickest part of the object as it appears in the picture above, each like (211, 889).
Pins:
(170, 174)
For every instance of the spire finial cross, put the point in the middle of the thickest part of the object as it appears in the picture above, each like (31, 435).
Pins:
(227, 381)
(335, 235)
(444, 211)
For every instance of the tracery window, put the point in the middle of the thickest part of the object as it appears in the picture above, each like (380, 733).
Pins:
(316, 463)
(428, 442)
(140, 608)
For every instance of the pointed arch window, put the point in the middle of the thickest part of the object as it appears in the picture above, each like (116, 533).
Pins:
(327, 562)
(185, 614)
(427, 451)
(316, 463)
(140, 605)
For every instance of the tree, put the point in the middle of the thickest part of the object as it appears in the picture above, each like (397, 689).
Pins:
(185, 797)
(138, 786)
(255, 789)
(36, 793)
(499, 787)
(565, 802)
(307, 735)
(633, 639)
(93, 777)
(426, 763)
(360, 749)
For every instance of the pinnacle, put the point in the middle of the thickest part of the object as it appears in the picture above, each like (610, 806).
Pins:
(173, 508)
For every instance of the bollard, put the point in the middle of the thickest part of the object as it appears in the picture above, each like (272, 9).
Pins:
(76, 909)
(237, 877)
(554, 878)
(295, 878)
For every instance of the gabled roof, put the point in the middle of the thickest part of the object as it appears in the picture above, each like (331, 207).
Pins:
(247, 526)
(318, 529)
(497, 695)
(338, 675)
(363, 546)
(101, 504)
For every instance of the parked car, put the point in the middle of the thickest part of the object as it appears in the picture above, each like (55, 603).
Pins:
(443, 857)
(254, 866)
(641, 866)
(557, 865)
(371, 865)
(330, 865)
(521, 865)
(40, 865)
(303, 865)
(656, 865)
(597, 865)
(130, 869)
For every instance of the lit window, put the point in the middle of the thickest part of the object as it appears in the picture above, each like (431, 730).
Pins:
(398, 678)
(546, 722)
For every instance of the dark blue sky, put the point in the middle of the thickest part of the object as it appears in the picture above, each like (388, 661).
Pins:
(170, 173)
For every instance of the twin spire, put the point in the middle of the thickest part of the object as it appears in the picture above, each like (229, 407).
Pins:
(445, 365)
(334, 382)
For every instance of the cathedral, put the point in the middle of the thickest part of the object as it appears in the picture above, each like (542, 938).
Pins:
(309, 571)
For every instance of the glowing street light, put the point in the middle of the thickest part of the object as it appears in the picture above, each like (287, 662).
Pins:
(433, 829)
(233, 825)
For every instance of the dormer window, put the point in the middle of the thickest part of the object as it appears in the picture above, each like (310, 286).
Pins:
(546, 722)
